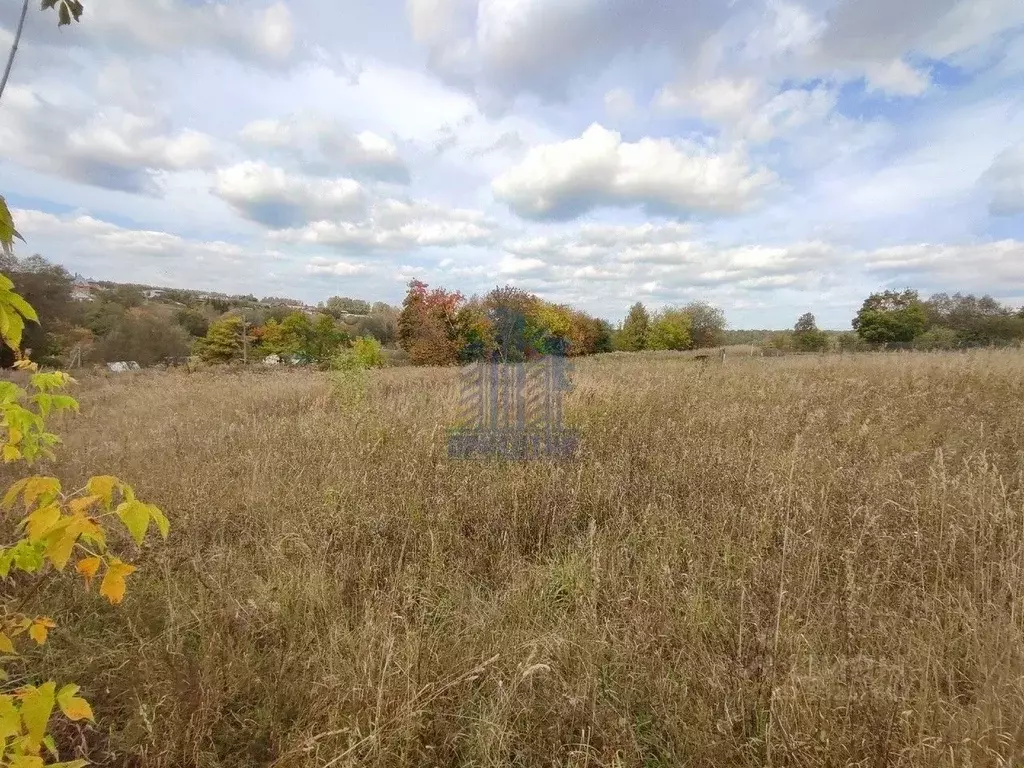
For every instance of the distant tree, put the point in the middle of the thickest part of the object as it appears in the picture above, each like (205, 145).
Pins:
(47, 287)
(976, 321)
(324, 340)
(427, 327)
(707, 324)
(670, 330)
(101, 316)
(223, 340)
(144, 336)
(937, 338)
(193, 321)
(806, 336)
(891, 316)
(127, 296)
(633, 335)
(339, 306)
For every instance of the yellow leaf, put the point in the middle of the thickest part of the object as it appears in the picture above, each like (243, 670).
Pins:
(102, 486)
(135, 516)
(112, 586)
(14, 436)
(36, 706)
(12, 493)
(6, 645)
(88, 567)
(162, 524)
(10, 719)
(11, 453)
(59, 549)
(74, 707)
(39, 629)
(26, 761)
(80, 505)
(41, 521)
(38, 487)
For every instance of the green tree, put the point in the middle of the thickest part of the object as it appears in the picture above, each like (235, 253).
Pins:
(807, 337)
(47, 287)
(891, 316)
(194, 322)
(146, 336)
(670, 330)
(633, 335)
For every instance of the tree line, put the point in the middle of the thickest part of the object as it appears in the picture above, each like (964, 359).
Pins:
(121, 322)
(903, 319)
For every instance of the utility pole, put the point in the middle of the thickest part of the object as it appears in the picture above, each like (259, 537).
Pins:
(245, 342)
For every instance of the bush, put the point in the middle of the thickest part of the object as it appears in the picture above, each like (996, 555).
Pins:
(365, 353)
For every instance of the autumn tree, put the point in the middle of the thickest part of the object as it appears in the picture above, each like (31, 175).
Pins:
(223, 341)
(427, 325)
(707, 324)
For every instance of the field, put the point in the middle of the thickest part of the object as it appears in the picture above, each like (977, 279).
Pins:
(802, 562)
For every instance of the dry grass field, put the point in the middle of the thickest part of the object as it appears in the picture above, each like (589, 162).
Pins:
(789, 562)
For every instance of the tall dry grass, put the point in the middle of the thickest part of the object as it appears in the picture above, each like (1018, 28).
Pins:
(797, 562)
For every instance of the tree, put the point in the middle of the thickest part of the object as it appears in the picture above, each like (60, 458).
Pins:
(427, 325)
(223, 341)
(806, 336)
(891, 317)
(975, 321)
(339, 306)
(144, 336)
(670, 330)
(635, 329)
(707, 324)
(194, 322)
(47, 287)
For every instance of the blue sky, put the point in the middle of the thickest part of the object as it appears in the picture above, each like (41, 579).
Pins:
(771, 156)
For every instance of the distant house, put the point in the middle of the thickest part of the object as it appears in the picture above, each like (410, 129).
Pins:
(154, 293)
(83, 291)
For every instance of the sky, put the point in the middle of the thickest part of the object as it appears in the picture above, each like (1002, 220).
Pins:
(772, 157)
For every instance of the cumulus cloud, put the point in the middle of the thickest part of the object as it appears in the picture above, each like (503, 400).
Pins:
(395, 225)
(564, 180)
(1005, 178)
(324, 147)
(277, 199)
(113, 148)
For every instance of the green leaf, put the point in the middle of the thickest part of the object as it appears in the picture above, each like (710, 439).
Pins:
(51, 745)
(7, 230)
(22, 306)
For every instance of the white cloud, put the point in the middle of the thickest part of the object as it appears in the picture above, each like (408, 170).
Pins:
(264, 35)
(897, 78)
(395, 226)
(320, 265)
(324, 146)
(273, 197)
(561, 181)
(1006, 180)
(113, 147)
